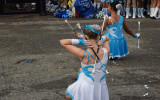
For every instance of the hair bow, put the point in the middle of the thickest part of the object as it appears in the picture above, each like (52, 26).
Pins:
(87, 27)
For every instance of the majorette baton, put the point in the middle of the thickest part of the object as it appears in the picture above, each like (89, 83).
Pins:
(139, 29)
(70, 26)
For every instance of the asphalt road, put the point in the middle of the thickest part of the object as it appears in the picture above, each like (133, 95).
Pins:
(34, 66)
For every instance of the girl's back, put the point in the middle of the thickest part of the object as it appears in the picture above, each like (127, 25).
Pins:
(115, 27)
(91, 83)
(88, 64)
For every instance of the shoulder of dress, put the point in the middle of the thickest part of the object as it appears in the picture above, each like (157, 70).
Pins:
(121, 17)
(105, 50)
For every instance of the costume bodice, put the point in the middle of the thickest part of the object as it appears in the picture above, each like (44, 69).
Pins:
(100, 69)
(116, 30)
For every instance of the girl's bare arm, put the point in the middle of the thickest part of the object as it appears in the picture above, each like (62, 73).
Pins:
(67, 44)
(127, 29)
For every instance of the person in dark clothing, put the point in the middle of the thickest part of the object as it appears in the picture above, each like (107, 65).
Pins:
(1, 6)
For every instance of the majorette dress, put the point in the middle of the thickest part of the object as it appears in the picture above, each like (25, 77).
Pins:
(118, 44)
(90, 86)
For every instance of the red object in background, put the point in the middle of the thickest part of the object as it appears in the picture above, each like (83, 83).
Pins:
(76, 13)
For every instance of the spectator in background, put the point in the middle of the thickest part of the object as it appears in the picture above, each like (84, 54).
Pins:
(128, 8)
(97, 4)
(148, 6)
(141, 9)
(153, 6)
(157, 9)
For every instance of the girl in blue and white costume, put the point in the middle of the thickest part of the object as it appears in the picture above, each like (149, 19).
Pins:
(89, 85)
(115, 24)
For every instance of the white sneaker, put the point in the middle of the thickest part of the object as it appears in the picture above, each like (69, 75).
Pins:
(143, 16)
(142, 12)
(110, 57)
(148, 9)
(134, 17)
(139, 12)
(134, 13)
(139, 16)
(155, 12)
(148, 12)
(127, 17)
(130, 14)
(152, 12)
(159, 14)
(127, 12)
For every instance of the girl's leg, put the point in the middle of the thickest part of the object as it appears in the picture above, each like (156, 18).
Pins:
(148, 6)
(68, 97)
(95, 4)
(128, 8)
(134, 8)
(124, 6)
(142, 9)
(139, 8)
(159, 9)
(153, 5)
(98, 4)
(156, 9)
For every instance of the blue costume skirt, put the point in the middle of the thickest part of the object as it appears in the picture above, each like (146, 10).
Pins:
(118, 47)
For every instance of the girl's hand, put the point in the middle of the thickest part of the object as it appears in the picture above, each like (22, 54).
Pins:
(100, 43)
(88, 43)
(137, 35)
(79, 35)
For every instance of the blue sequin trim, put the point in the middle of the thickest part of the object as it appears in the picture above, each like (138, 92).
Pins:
(104, 65)
(87, 73)
(69, 94)
(103, 76)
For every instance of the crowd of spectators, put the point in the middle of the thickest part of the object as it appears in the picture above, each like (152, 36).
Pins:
(130, 8)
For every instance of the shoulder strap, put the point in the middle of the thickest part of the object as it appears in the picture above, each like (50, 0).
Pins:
(88, 56)
(113, 20)
(91, 55)
(83, 55)
(109, 20)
